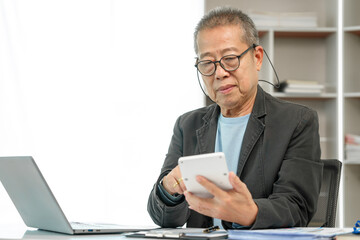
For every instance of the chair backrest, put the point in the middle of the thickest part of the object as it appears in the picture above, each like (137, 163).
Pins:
(326, 209)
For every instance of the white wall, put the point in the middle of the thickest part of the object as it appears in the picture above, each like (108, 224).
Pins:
(91, 89)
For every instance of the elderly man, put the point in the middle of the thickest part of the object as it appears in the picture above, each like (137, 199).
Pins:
(272, 146)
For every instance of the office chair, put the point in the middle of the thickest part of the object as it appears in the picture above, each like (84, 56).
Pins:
(326, 209)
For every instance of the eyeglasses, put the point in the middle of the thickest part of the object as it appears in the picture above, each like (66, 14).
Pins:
(228, 63)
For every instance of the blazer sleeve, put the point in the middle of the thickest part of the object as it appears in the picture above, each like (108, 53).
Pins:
(162, 214)
(295, 193)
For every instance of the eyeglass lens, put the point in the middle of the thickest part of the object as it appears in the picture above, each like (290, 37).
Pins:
(229, 63)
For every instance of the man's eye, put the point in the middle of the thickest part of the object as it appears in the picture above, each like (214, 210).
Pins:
(229, 58)
(205, 63)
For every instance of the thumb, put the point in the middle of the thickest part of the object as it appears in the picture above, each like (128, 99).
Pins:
(235, 181)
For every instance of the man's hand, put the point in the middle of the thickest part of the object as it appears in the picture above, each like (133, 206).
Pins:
(173, 182)
(235, 205)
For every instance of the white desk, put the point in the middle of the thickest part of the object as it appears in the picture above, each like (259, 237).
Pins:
(22, 232)
(11, 232)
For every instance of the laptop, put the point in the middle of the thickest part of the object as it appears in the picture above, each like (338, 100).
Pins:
(37, 205)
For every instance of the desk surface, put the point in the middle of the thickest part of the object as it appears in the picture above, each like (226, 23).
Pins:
(22, 232)
(10, 232)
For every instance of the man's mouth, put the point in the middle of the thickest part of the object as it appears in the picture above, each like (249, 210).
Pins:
(225, 89)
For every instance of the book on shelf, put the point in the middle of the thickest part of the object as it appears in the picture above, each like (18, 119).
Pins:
(352, 151)
(301, 87)
(352, 147)
(284, 19)
(352, 139)
(306, 86)
(301, 82)
(302, 90)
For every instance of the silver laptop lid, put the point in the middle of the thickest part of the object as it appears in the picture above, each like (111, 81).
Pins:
(31, 195)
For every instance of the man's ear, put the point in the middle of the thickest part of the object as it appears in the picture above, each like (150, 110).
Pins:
(259, 54)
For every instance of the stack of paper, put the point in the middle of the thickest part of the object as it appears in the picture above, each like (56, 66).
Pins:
(352, 147)
(181, 233)
(289, 233)
(281, 19)
(301, 87)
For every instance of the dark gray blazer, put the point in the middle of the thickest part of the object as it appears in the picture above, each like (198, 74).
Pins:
(279, 162)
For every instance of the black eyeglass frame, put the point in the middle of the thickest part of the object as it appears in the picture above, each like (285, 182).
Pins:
(219, 61)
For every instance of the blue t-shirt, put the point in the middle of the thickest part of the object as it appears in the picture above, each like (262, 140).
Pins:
(229, 138)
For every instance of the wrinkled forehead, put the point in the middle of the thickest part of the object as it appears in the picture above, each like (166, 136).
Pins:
(218, 38)
(235, 27)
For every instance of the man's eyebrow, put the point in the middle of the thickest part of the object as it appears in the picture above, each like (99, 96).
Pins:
(223, 51)
(205, 54)
(230, 49)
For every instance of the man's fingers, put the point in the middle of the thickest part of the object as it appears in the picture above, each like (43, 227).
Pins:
(205, 206)
(182, 184)
(170, 184)
(196, 203)
(210, 186)
(173, 182)
(177, 187)
(235, 181)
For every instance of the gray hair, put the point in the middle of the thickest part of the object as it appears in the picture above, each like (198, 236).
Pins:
(222, 16)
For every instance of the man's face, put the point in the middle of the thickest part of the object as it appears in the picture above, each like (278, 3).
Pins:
(229, 89)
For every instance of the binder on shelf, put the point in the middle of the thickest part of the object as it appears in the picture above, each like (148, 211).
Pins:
(301, 87)
(352, 139)
(284, 19)
(352, 147)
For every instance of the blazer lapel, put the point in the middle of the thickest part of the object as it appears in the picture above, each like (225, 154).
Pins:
(206, 135)
(254, 129)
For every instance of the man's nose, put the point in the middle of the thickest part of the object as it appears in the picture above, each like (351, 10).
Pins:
(220, 72)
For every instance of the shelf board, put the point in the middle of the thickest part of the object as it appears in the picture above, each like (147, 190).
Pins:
(322, 96)
(353, 29)
(352, 161)
(324, 139)
(352, 95)
(319, 32)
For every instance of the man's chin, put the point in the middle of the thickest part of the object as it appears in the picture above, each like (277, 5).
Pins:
(227, 103)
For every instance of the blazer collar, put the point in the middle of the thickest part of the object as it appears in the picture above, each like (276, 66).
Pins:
(254, 129)
(259, 109)
(206, 134)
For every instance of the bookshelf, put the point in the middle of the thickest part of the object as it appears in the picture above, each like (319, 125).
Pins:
(311, 53)
(351, 85)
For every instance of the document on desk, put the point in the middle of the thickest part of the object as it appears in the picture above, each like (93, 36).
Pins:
(180, 233)
(288, 233)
